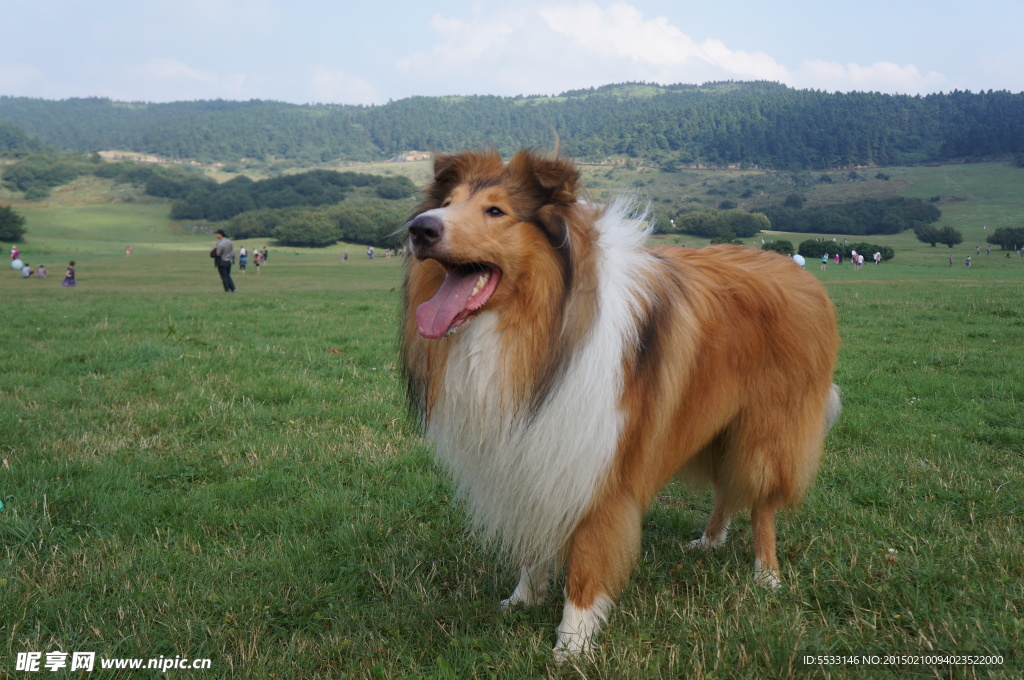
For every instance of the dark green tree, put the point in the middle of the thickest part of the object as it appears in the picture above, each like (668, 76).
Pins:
(950, 236)
(1007, 238)
(12, 224)
(927, 233)
(795, 201)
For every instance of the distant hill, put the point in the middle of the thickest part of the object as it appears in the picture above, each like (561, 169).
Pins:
(14, 143)
(753, 124)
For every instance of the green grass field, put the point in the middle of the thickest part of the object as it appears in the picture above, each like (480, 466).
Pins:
(187, 473)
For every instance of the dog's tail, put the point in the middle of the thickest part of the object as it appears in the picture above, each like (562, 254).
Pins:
(834, 407)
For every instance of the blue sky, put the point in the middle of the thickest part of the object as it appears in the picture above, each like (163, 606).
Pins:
(373, 51)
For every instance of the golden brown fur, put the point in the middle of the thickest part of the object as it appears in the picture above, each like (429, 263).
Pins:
(724, 373)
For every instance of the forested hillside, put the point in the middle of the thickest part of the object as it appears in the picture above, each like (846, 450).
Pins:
(756, 124)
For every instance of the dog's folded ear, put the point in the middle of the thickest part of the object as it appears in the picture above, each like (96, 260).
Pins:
(473, 167)
(446, 175)
(443, 164)
(558, 178)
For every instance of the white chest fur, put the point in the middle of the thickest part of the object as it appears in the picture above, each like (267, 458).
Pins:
(528, 481)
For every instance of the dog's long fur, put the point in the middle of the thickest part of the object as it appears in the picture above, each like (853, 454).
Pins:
(566, 394)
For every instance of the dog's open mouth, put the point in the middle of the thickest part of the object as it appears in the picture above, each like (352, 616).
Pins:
(466, 289)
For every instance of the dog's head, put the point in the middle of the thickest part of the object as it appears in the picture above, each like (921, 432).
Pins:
(483, 229)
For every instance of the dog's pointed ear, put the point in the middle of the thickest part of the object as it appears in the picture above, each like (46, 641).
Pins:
(557, 177)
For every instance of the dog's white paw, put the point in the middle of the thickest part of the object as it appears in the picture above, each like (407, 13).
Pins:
(572, 645)
(579, 626)
(531, 590)
(514, 601)
(565, 653)
(767, 578)
(705, 543)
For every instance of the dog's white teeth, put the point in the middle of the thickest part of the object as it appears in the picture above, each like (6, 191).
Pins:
(480, 283)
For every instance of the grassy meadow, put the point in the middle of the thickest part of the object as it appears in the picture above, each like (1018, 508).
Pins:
(189, 473)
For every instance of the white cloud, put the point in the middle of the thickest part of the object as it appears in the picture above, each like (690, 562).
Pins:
(880, 76)
(167, 79)
(463, 43)
(17, 76)
(655, 45)
(543, 47)
(336, 86)
(172, 69)
(621, 31)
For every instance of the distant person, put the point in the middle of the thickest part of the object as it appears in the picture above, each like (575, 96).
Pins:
(69, 276)
(344, 257)
(257, 259)
(243, 259)
(41, 272)
(824, 261)
(951, 261)
(127, 251)
(26, 271)
(15, 251)
(264, 256)
(223, 253)
(968, 261)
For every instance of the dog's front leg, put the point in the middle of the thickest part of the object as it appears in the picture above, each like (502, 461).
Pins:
(601, 556)
(532, 588)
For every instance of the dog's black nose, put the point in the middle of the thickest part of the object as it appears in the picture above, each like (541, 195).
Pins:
(426, 231)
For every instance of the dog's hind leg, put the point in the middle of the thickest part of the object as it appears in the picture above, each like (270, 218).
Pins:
(532, 588)
(766, 564)
(717, 529)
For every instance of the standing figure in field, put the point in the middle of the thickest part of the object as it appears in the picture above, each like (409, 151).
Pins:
(223, 253)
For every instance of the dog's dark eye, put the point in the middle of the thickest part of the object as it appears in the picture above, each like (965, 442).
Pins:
(494, 211)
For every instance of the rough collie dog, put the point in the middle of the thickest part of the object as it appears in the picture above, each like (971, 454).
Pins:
(566, 372)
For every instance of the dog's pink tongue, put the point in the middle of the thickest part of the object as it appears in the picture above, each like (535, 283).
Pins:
(435, 316)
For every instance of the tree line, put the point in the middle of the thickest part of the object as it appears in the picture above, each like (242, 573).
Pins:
(758, 124)
(863, 217)
(204, 199)
(314, 208)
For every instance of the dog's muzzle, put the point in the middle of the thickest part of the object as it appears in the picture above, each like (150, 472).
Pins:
(425, 232)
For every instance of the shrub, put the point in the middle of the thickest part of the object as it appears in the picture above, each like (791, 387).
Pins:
(728, 238)
(863, 217)
(779, 246)
(814, 249)
(713, 224)
(255, 224)
(372, 222)
(307, 228)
